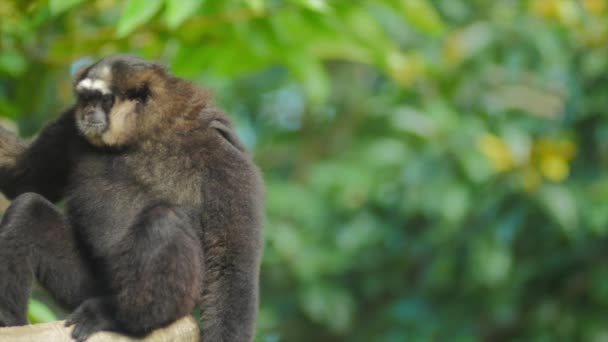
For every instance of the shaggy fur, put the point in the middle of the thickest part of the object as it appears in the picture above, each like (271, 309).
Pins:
(163, 209)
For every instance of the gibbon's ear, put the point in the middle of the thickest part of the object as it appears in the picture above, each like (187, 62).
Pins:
(226, 132)
(79, 66)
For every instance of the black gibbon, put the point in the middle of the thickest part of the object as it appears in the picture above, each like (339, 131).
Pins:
(163, 209)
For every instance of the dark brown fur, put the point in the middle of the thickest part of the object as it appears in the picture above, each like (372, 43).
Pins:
(164, 209)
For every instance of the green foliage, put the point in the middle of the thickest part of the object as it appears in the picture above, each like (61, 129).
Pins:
(434, 168)
(138, 12)
(179, 10)
(58, 6)
(39, 313)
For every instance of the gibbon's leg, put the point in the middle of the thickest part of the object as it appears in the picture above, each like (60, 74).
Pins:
(155, 277)
(36, 240)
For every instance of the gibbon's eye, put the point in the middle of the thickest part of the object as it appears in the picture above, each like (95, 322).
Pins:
(138, 94)
(107, 101)
(86, 97)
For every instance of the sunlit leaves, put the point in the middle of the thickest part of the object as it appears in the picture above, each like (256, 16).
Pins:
(136, 13)
(596, 7)
(179, 10)
(59, 6)
(566, 12)
(465, 43)
(256, 5)
(405, 68)
(554, 158)
(421, 15)
(546, 157)
(315, 5)
(496, 150)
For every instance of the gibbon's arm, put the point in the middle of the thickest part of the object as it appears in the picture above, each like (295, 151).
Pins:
(41, 166)
(232, 240)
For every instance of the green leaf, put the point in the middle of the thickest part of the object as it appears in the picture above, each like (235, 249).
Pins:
(258, 6)
(330, 305)
(422, 15)
(12, 63)
(456, 201)
(560, 204)
(136, 13)
(39, 312)
(315, 5)
(178, 11)
(7, 110)
(313, 77)
(492, 263)
(60, 6)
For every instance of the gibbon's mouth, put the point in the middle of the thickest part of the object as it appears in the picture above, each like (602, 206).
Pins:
(92, 127)
(98, 124)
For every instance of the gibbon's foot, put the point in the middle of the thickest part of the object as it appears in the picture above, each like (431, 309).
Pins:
(90, 317)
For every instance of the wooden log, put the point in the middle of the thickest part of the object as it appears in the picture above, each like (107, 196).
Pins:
(184, 330)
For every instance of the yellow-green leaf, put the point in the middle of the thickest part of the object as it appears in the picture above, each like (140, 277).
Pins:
(39, 313)
(312, 76)
(258, 6)
(178, 11)
(136, 13)
(422, 16)
(12, 63)
(59, 6)
(315, 5)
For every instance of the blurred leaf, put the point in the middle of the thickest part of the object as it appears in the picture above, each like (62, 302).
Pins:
(315, 5)
(491, 263)
(313, 77)
(497, 151)
(331, 305)
(466, 43)
(39, 312)
(12, 63)
(60, 6)
(258, 6)
(179, 10)
(422, 15)
(561, 206)
(456, 202)
(361, 231)
(287, 241)
(188, 61)
(413, 121)
(8, 109)
(387, 151)
(136, 13)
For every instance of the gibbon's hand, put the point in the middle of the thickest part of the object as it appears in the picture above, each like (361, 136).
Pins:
(10, 148)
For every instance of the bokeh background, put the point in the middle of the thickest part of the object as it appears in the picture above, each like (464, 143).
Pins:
(435, 169)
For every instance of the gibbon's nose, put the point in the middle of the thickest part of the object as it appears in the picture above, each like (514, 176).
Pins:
(94, 116)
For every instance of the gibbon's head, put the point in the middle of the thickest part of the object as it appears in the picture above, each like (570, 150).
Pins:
(120, 98)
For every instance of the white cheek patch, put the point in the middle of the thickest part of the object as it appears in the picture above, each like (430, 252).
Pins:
(122, 122)
(89, 84)
(85, 84)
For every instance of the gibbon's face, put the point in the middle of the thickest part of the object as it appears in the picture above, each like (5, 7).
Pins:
(112, 97)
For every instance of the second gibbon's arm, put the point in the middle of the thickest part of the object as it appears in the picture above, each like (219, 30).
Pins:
(41, 166)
